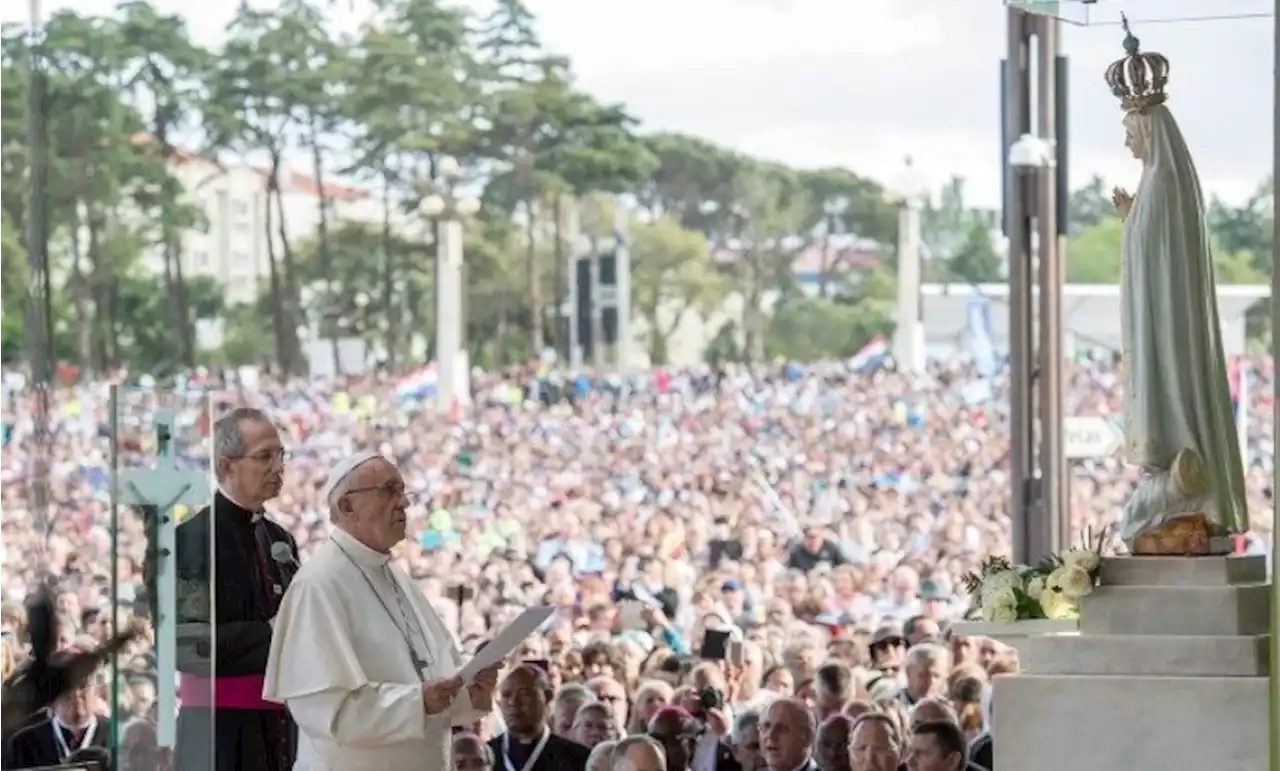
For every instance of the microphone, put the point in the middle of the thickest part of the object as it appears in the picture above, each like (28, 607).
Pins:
(280, 552)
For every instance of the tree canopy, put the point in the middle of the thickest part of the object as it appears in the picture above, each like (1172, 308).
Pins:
(128, 96)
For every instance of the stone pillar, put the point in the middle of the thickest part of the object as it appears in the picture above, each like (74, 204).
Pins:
(908, 337)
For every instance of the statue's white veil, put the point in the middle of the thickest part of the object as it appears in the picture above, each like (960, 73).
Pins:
(1169, 179)
(1175, 367)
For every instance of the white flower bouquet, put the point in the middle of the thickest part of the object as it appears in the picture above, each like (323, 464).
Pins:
(1003, 592)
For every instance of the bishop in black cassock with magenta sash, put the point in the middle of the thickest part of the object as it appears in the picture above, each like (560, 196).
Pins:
(251, 564)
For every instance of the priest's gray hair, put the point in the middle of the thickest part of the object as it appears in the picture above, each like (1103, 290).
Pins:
(228, 431)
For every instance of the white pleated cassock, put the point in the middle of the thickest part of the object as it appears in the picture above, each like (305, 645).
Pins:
(340, 662)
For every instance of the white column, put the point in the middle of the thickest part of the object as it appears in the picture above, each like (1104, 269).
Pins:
(621, 233)
(451, 364)
(908, 337)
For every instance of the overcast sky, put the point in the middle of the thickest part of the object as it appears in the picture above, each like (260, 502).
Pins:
(864, 83)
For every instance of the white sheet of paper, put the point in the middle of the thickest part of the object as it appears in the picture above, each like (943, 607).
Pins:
(507, 640)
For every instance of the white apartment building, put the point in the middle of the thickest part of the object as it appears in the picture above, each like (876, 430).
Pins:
(233, 247)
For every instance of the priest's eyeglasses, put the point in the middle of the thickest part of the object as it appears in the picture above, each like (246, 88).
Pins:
(267, 456)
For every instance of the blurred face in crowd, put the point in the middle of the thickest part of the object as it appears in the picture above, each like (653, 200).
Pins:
(926, 678)
(873, 747)
(256, 475)
(786, 734)
(832, 746)
(375, 507)
(524, 698)
(780, 681)
(925, 754)
(76, 708)
(746, 749)
(677, 734)
(922, 630)
(614, 696)
(68, 604)
(566, 711)
(650, 698)
(887, 655)
(470, 754)
(144, 695)
(593, 724)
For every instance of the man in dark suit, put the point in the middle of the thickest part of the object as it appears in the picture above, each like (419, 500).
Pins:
(787, 733)
(70, 726)
(525, 698)
(254, 561)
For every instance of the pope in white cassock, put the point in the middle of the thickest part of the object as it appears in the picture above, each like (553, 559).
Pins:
(358, 656)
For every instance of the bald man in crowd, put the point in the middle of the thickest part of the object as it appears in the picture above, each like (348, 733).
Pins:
(639, 753)
(787, 733)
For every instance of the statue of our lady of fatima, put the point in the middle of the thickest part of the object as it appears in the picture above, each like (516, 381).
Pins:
(1177, 407)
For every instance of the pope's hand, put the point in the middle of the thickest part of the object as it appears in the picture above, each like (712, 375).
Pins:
(1123, 201)
(482, 688)
(437, 695)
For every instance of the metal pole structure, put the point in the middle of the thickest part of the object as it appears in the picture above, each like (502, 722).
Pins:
(1053, 466)
(1274, 690)
(448, 311)
(1017, 95)
(622, 263)
(597, 307)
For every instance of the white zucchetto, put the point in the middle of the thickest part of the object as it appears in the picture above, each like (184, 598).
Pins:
(344, 469)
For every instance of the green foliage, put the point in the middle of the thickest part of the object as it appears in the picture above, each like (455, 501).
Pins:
(1093, 257)
(810, 328)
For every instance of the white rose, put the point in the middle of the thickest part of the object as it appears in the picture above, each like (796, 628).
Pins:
(1056, 605)
(1004, 613)
(1086, 559)
(1035, 587)
(1001, 606)
(998, 583)
(1073, 582)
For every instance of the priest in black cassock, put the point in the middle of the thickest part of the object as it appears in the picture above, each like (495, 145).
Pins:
(221, 688)
(68, 726)
(526, 698)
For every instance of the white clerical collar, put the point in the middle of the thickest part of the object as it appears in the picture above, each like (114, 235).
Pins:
(359, 553)
(223, 492)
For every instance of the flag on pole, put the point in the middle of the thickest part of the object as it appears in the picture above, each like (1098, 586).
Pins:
(870, 355)
(419, 384)
(981, 340)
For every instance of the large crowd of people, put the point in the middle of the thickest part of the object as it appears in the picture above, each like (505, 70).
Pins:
(823, 515)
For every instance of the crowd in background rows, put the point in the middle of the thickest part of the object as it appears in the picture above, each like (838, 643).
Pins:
(804, 507)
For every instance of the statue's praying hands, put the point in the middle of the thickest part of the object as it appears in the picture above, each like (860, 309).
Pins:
(1123, 201)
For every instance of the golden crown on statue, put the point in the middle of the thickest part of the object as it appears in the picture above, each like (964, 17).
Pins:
(1138, 79)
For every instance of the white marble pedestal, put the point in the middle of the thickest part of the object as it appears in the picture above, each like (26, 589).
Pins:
(1169, 672)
